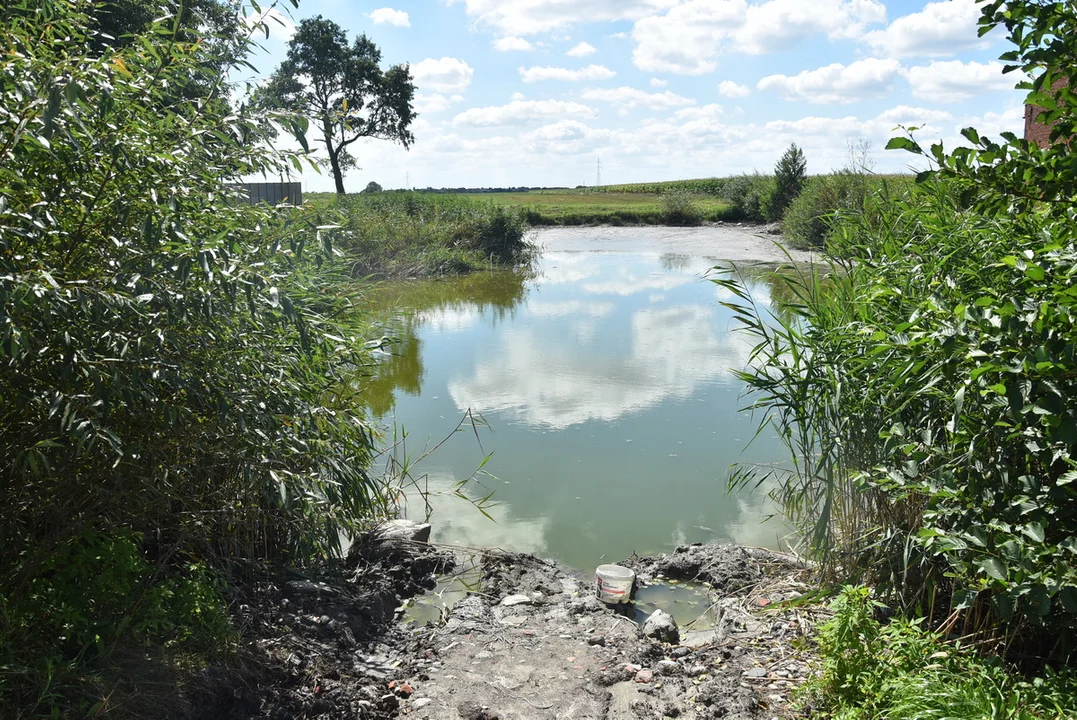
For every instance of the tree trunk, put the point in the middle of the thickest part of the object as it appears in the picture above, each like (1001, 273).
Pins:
(334, 156)
(338, 176)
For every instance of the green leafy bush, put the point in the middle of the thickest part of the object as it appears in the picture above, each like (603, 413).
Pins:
(749, 195)
(926, 384)
(825, 198)
(170, 394)
(679, 207)
(899, 671)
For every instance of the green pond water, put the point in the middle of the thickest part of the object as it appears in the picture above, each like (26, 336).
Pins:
(612, 414)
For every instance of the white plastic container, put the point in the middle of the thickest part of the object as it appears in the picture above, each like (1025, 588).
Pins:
(613, 584)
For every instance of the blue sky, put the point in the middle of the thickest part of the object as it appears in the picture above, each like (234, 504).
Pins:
(535, 92)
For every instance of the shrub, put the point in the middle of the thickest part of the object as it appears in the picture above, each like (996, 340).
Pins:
(900, 671)
(168, 355)
(679, 207)
(749, 195)
(823, 201)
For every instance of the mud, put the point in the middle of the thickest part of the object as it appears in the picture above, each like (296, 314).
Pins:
(741, 242)
(531, 642)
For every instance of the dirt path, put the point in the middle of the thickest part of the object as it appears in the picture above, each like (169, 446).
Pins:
(531, 641)
(724, 241)
(537, 644)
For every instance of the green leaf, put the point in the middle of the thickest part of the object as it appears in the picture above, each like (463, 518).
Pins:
(994, 568)
(903, 143)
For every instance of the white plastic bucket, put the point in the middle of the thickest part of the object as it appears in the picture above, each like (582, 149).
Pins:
(613, 584)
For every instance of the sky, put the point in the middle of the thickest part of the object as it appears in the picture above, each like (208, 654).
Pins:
(539, 92)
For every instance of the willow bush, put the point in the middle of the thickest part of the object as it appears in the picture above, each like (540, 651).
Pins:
(169, 395)
(925, 378)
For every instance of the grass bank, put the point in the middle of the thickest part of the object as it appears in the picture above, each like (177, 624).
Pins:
(401, 234)
(608, 208)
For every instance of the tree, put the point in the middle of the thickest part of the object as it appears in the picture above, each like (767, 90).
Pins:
(789, 175)
(343, 90)
(371, 188)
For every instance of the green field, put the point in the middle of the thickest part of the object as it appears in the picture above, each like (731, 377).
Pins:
(569, 207)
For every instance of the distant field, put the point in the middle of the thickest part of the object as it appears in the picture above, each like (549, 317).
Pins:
(578, 207)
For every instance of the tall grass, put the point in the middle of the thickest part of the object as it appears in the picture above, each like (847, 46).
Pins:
(407, 234)
(922, 381)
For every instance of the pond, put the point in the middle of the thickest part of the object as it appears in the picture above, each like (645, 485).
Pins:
(606, 383)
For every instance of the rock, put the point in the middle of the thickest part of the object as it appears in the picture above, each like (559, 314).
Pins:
(696, 671)
(471, 710)
(756, 672)
(420, 703)
(667, 667)
(306, 588)
(513, 600)
(644, 676)
(679, 652)
(662, 627)
(402, 529)
(599, 640)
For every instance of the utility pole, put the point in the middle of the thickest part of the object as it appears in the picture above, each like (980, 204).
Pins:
(598, 173)
(407, 180)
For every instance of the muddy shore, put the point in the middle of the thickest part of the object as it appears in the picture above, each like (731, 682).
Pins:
(530, 641)
(735, 242)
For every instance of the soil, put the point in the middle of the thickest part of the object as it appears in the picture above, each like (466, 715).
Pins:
(532, 642)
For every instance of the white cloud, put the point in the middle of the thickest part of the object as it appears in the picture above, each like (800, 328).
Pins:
(435, 103)
(582, 50)
(686, 39)
(905, 115)
(940, 29)
(445, 75)
(507, 44)
(658, 83)
(388, 16)
(777, 24)
(836, 83)
(704, 112)
(520, 111)
(279, 25)
(730, 89)
(953, 80)
(567, 137)
(530, 17)
(628, 97)
(591, 72)
(689, 38)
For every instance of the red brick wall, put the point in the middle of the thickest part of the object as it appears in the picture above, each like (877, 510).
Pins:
(1036, 131)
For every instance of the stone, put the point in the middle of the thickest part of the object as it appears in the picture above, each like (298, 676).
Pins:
(662, 627)
(644, 676)
(679, 652)
(667, 667)
(513, 600)
(598, 640)
(420, 703)
(402, 529)
(756, 672)
(696, 670)
(306, 588)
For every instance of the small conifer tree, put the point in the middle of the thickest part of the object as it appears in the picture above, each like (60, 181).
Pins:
(789, 176)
